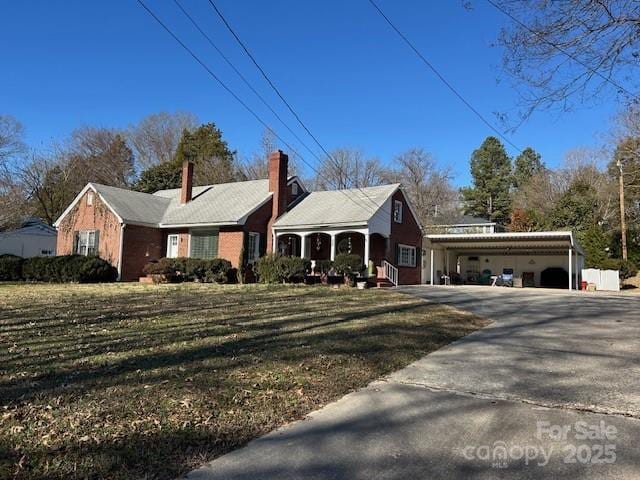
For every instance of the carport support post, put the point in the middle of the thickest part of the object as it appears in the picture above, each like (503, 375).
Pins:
(570, 269)
(431, 264)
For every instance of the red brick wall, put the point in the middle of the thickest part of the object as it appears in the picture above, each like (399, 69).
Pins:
(183, 241)
(91, 217)
(408, 233)
(141, 245)
(230, 244)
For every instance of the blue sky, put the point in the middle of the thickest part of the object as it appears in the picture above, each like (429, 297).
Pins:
(73, 63)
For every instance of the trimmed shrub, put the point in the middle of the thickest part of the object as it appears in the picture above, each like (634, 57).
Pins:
(191, 269)
(348, 263)
(10, 268)
(268, 268)
(292, 268)
(164, 266)
(68, 268)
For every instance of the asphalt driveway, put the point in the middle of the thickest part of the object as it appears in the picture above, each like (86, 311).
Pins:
(550, 389)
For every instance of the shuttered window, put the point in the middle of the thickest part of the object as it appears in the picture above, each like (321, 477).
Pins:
(204, 244)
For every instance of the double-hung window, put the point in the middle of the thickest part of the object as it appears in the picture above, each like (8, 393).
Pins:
(406, 256)
(87, 242)
(397, 211)
(253, 247)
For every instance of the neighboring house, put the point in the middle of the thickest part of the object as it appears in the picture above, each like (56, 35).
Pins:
(475, 252)
(129, 228)
(466, 224)
(33, 238)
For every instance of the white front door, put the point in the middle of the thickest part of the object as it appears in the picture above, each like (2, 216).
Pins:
(172, 246)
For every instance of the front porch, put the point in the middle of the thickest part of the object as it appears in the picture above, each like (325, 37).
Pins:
(324, 245)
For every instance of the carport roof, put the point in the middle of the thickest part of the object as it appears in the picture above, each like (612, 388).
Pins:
(508, 241)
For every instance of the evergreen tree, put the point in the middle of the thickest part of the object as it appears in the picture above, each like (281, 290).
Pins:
(213, 162)
(489, 197)
(525, 166)
(575, 208)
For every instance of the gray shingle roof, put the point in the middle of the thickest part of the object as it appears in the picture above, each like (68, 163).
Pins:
(223, 204)
(337, 207)
(133, 207)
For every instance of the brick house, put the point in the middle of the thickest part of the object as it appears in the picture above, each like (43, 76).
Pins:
(130, 229)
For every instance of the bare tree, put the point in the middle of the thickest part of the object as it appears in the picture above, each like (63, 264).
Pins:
(348, 168)
(256, 166)
(50, 183)
(13, 206)
(100, 155)
(429, 188)
(568, 52)
(155, 138)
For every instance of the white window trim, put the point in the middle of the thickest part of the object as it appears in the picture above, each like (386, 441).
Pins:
(294, 188)
(169, 237)
(412, 257)
(90, 198)
(79, 244)
(397, 209)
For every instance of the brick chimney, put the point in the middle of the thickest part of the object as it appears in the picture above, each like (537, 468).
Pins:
(187, 182)
(278, 175)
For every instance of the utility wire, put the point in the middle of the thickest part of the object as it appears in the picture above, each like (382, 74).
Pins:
(442, 78)
(277, 91)
(560, 49)
(232, 93)
(244, 79)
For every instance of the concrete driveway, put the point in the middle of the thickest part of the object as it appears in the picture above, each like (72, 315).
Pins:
(550, 389)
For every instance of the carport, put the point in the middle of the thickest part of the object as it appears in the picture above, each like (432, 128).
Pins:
(539, 258)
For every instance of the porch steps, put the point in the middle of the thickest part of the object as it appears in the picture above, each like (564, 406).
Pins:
(383, 283)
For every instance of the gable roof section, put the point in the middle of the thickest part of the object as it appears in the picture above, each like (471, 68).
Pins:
(133, 207)
(337, 207)
(221, 204)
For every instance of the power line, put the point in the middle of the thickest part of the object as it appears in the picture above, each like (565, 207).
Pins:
(442, 78)
(277, 91)
(231, 92)
(561, 50)
(243, 78)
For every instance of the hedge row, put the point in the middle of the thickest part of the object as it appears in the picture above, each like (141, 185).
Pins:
(191, 269)
(66, 268)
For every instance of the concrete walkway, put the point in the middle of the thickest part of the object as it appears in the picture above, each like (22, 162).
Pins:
(549, 390)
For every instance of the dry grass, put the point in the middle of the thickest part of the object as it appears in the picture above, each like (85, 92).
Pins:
(134, 381)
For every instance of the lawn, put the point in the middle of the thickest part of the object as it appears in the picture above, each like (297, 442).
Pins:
(142, 381)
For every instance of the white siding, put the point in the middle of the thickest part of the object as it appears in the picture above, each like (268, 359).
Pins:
(25, 244)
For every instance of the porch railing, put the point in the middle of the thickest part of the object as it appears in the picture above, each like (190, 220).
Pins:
(390, 272)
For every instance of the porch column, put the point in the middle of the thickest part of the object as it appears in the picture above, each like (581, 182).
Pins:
(333, 246)
(431, 264)
(303, 246)
(274, 242)
(366, 250)
(576, 270)
(570, 269)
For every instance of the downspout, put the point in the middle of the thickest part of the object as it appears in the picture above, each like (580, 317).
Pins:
(120, 253)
